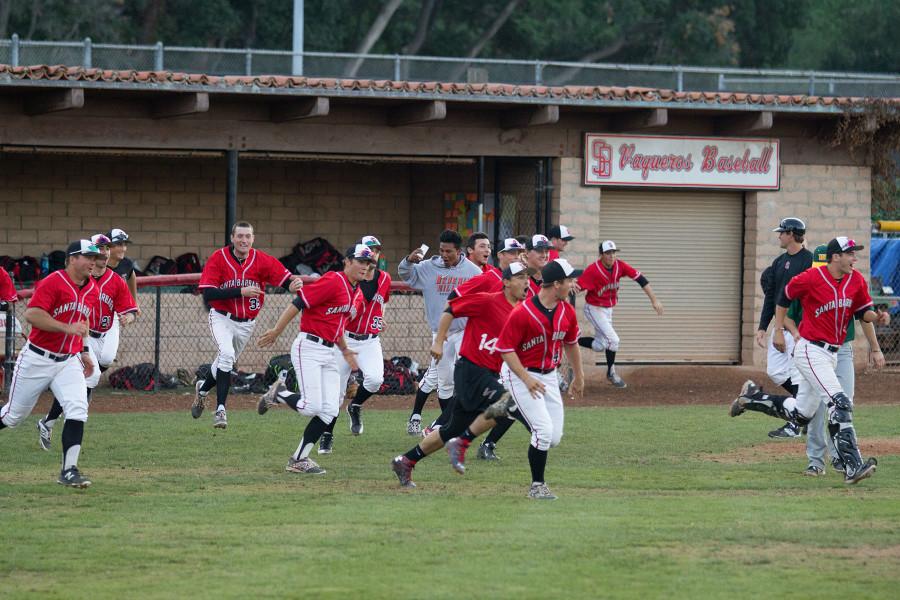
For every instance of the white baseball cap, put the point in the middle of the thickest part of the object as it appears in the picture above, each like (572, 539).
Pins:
(512, 245)
(361, 252)
(538, 242)
(371, 241)
(608, 246)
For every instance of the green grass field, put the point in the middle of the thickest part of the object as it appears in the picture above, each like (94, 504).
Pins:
(650, 506)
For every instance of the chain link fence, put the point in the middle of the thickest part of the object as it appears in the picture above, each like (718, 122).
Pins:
(249, 62)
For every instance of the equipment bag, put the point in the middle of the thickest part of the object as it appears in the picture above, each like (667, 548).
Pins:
(140, 377)
(280, 363)
(188, 262)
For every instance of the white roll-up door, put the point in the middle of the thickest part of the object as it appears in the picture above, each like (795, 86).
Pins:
(689, 246)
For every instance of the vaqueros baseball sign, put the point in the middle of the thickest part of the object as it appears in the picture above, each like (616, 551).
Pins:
(673, 161)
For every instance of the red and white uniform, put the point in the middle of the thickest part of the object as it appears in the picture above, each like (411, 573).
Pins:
(7, 289)
(52, 359)
(330, 303)
(363, 331)
(487, 314)
(537, 336)
(828, 305)
(534, 286)
(602, 286)
(114, 299)
(232, 320)
(489, 281)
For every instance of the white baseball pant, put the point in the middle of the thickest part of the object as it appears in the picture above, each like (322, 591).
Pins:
(543, 414)
(440, 373)
(817, 439)
(230, 337)
(95, 347)
(605, 337)
(318, 378)
(818, 382)
(110, 343)
(33, 374)
(780, 365)
(370, 359)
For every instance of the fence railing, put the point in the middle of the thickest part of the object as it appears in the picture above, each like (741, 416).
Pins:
(400, 67)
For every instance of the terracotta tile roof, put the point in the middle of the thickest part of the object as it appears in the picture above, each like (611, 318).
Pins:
(463, 91)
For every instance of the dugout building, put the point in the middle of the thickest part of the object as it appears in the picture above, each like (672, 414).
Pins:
(688, 184)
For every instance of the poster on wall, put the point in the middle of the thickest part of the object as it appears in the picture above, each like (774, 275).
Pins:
(681, 162)
(464, 214)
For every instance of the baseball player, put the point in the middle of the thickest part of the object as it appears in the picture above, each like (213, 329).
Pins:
(436, 278)
(560, 236)
(794, 260)
(115, 299)
(327, 305)
(56, 355)
(478, 251)
(531, 345)
(8, 293)
(830, 296)
(124, 266)
(476, 375)
(233, 282)
(601, 281)
(362, 337)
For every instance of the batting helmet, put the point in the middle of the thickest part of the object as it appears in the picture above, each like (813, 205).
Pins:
(791, 224)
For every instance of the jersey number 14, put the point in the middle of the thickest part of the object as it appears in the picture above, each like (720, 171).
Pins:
(487, 344)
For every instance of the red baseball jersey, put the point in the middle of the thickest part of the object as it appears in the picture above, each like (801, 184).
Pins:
(536, 335)
(553, 253)
(115, 297)
(602, 285)
(7, 289)
(534, 286)
(330, 302)
(487, 314)
(259, 269)
(489, 268)
(488, 281)
(370, 318)
(66, 302)
(828, 303)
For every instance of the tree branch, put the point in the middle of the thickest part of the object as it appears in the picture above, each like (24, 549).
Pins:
(375, 31)
(426, 20)
(605, 52)
(479, 45)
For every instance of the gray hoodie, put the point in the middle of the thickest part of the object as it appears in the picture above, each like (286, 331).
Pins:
(436, 282)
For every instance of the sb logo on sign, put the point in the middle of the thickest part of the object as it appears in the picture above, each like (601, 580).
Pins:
(601, 152)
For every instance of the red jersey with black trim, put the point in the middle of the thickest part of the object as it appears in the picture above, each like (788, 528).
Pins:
(602, 284)
(537, 336)
(330, 301)
(534, 286)
(369, 319)
(487, 313)
(259, 269)
(488, 281)
(115, 297)
(67, 302)
(828, 303)
(7, 289)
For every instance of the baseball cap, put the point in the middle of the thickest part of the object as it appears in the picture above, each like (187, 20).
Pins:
(100, 240)
(537, 241)
(512, 245)
(118, 236)
(608, 246)
(791, 224)
(371, 241)
(83, 247)
(361, 252)
(557, 270)
(820, 255)
(839, 245)
(517, 268)
(562, 232)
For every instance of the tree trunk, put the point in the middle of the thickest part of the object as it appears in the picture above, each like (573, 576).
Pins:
(567, 75)
(5, 7)
(426, 20)
(150, 18)
(479, 45)
(375, 31)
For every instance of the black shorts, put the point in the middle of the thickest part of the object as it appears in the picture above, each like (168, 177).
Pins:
(476, 387)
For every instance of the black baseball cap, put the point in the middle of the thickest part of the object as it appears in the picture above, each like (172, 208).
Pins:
(791, 224)
(840, 245)
(118, 236)
(538, 242)
(557, 270)
(561, 232)
(83, 247)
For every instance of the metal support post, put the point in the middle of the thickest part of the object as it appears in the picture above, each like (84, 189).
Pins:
(158, 57)
(231, 190)
(157, 335)
(14, 50)
(86, 59)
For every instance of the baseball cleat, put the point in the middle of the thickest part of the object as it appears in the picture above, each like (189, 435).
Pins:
(326, 443)
(614, 379)
(500, 408)
(356, 424)
(814, 471)
(403, 468)
(456, 450)
(486, 451)
(787, 431)
(199, 400)
(72, 478)
(837, 464)
(305, 466)
(540, 491)
(414, 427)
(220, 421)
(270, 398)
(865, 470)
(45, 434)
(748, 390)
(586, 342)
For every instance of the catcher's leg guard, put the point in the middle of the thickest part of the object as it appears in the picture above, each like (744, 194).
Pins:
(780, 407)
(843, 434)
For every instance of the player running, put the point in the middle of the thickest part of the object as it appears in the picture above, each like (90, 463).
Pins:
(560, 236)
(477, 378)
(56, 355)
(233, 282)
(601, 281)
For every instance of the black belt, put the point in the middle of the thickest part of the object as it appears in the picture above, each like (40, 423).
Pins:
(828, 347)
(231, 316)
(51, 356)
(318, 340)
(97, 334)
(541, 371)
(360, 337)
